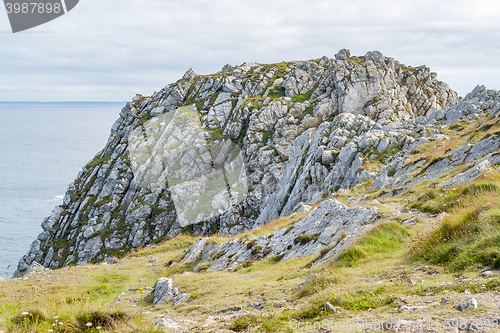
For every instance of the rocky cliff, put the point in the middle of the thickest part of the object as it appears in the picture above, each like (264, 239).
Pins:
(226, 152)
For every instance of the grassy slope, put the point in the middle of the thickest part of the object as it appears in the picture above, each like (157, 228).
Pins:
(435, 257)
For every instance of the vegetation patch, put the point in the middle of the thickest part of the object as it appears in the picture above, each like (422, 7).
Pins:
(277, 92)
(89, 321)
(303, 97)
(304, 239)
(470, 235)
(382, 241)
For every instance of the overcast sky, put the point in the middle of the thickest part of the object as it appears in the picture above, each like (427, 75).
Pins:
(110, 50)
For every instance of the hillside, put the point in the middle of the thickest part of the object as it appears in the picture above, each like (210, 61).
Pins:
(289, 133)
(390, 277)
(267, 195)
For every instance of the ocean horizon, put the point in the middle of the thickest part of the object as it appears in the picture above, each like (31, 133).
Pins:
(43, 146)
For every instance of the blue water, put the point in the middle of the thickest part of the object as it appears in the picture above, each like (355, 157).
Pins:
(42, 149)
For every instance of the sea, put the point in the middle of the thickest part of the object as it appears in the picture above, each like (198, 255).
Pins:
(43, 146)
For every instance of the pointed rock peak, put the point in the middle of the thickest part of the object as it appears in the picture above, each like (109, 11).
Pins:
(189, 75)
(137, 97)
(227, 68)
(376, 57)
(343, 54)
(476, 92)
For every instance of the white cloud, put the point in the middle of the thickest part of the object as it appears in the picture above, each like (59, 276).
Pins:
(109, 50)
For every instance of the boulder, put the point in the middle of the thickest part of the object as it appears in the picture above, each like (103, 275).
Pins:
(164, 291)
(467, 304)
(194, 252)
(166, 323)
(343, 54)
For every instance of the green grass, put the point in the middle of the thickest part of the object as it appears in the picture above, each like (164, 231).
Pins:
(470, 236)
(267, 136)
(255, 102)
(277, 92)
(436, 200)
(98, 160)
(382, 241)
(303, 97)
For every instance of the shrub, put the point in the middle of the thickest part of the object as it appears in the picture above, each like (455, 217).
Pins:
(33, 317)
(99, 318)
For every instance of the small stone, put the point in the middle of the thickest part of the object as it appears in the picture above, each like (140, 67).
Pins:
(257, 305)
(487, 273)
(399, 299)
(232, 309)
(467, 304)
(410, 307)
(167, 323)
(329, 306)
(443, 300)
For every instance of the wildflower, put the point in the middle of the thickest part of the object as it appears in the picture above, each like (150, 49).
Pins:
(98, 327)
(25, 313)
(88, 324)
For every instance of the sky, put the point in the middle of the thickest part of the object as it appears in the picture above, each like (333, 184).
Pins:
(110, 50)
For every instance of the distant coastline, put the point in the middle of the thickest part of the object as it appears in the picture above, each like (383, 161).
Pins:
(25, 103)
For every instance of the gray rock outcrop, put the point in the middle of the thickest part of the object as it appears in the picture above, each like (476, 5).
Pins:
(227, 152)
(165, 291)
(332, 226)
(467, 304)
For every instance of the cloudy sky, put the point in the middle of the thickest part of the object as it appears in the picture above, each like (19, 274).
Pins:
(110, 50)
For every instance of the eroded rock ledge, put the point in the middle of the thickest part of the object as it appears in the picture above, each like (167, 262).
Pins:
(332, 226)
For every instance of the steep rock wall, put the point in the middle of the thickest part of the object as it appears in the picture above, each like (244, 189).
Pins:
(299, 130)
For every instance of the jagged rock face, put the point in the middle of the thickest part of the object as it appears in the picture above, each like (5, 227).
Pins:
(331, 226)
(482, 155)
(299, 130)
